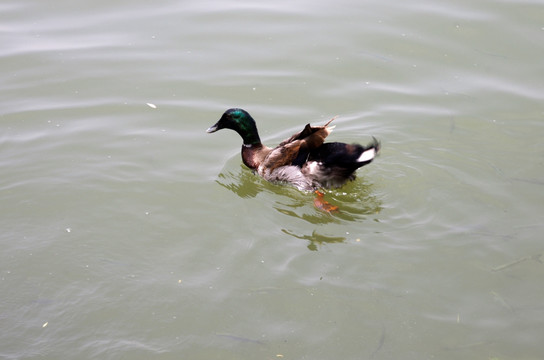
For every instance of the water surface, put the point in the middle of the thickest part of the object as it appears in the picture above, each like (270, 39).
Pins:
(128, 232)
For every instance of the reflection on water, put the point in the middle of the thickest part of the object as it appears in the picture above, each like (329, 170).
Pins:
(316, 239)
(355, 200)
(243, 182)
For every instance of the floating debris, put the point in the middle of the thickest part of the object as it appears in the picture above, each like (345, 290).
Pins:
(45, 324)
(501, 301)
(380, 343)
(518, 261)
(153, 106)
(467, 346)
(239, 338)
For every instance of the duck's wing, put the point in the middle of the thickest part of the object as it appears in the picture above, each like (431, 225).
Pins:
(281, 155)
(292, 150)
(311, 134)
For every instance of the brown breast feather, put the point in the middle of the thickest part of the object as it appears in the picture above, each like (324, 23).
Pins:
(253, 156)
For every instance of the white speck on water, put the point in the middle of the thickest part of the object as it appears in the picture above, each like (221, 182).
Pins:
(68, 230)
(153, 106)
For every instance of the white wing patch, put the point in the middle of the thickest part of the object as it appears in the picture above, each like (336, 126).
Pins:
(367, 155)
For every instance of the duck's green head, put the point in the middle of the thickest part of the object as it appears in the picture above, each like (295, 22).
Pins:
(240, 121)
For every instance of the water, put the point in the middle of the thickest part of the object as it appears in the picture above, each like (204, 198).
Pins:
(128, 232)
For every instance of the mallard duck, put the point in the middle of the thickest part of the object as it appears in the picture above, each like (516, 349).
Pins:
(303, 160)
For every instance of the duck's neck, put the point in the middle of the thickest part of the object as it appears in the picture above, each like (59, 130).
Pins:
(248, 132)
(251, 138)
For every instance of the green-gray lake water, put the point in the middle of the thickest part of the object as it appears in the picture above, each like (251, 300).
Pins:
(130, 233)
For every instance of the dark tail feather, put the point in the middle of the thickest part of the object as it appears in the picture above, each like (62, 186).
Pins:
(348, 156)
(369, 152)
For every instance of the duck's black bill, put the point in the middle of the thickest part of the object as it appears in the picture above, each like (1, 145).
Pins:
(212, 129)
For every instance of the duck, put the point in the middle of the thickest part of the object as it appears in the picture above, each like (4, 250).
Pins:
(304, 160)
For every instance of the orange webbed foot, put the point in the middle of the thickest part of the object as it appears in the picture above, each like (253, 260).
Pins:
(323, 204)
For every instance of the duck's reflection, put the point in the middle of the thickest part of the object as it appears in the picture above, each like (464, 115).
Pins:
(355, 200)
(316, 239)
(242, 182)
